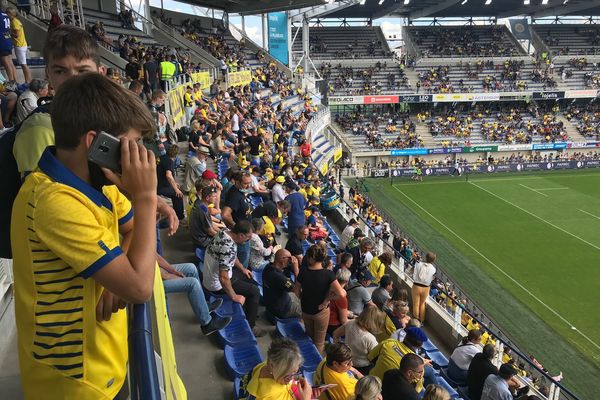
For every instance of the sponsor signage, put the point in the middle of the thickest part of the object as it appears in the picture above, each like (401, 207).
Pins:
(484, 96)
(514, 147)
(277, 26)
(579, 94)
(548, 95)
(380, 99)
(335, 100)
(408, 152)
(550, 146)
(477, 149)
(380, 173)
(416, 98)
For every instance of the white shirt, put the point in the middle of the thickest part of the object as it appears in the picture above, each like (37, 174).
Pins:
(361, 343)
(463, 355)
(235, 123)
(278, 193)
(495, 388)
(346, 235)
(423, 273)
(26, 104)
(220, 255)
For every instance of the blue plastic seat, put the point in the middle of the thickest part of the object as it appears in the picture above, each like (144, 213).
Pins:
(442, 382)
(311, 355)
(240, 360)
(237, 333)
(274, 320)
(292, 329)
(439, 360)
(428, 346)
(451, 382)
(229, 308)
(309, 376)
(257, 276)
(200, 253)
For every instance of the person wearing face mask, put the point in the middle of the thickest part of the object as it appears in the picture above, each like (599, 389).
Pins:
(400, 383)
(278, 296)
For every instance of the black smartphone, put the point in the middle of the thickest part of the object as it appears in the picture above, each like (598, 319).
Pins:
(106, 152)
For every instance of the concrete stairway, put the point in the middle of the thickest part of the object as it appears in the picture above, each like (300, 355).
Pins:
(423, 131)
(572, 131)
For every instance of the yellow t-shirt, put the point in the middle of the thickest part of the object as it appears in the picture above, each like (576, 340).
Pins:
(64, 231)
(345, 383)
(388, 330)
(268, 229)
(188, 100)
(377, 268)
(33, 137)
(302, 191)
(268, 388)
(18, 34)
(389, 353)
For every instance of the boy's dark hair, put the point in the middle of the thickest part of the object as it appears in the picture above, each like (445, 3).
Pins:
(136, 85)
(68, 40)
(173, 151)
(92, 102)
(242, 227)
(339, 352)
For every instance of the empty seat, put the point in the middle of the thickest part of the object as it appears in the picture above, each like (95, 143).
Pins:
(240, 360)
(311, 355)
(451, 382)
(429, 346)
(292, 329)
(439, 360)
(237, 333)
(257, 276)
(229, 308)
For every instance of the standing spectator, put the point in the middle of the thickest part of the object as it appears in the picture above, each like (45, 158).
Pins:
(278, 295)
(55, 20)
(38, 88)
(336, 369)
(481, 367)
(297, 202)
(167, 186)
(422, 277)
(202, 227)
(313, 286)
(132, 69)
(277, 191)
(295, 244)
(19, 42)
(184, 278)
(383, 294)
(359, 296)
(461, 357)
(150, 74)
(225, 274)
(496, 387)
(347, 233)
(360, 336)
(6, 49)
(361, 255)
(368, 388)
(345, 261)
(338, 308)
(188, 104)
(378, 265)
(237, 208)
(400, 383)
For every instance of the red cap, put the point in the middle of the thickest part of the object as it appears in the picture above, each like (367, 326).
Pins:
(208, 174)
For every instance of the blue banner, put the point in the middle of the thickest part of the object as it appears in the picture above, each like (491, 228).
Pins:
(409, 152)
(278, 36)
(550, 146)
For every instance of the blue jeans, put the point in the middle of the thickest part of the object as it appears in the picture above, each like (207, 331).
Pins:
(243, 253)
(190, 285)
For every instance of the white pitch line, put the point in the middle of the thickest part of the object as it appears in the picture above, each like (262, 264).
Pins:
(477, 179)
(590, 214)
(500, 269)
(533, 190)
(559, 188)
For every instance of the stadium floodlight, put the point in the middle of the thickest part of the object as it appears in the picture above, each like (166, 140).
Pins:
(565, 2)
(544, 2)
(381, 2)
(488, 2)
(464, 2)
(526, 2)
(362, 2)
(406, 2)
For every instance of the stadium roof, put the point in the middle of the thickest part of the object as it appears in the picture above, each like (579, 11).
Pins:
(471, 8)
(254, 6)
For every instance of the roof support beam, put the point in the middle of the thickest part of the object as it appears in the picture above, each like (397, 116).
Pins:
(434, 9)
(321, 11)
(565, 9)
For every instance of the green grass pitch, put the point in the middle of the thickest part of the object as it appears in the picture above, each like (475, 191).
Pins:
(525, 247)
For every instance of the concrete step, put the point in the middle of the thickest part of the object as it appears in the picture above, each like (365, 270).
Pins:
(574, 134)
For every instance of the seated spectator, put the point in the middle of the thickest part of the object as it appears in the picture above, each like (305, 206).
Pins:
(347, 233)
(224, 274)
(180, 278)
(258, 251)
(209, 178)
(360, 336)
(278, 296)
(338, 308)
(368, 388)
(461, 357)
(497, 387)
(336, 369)
(359, 296)
(397, 316)
(27, 102)
(195, 165)
(436, 392)
(315, 225)
(383, 294)
(167, 186)
(400, 383)
(313, 286)
(202, 227)
(422, 277)
(378, 265)
(275, 378)
(295, 242)
(480, 368)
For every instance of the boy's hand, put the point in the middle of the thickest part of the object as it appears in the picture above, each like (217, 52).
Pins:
(138, 167)
(108, 305)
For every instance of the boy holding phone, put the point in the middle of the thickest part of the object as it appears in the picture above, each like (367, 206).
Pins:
(66, 226)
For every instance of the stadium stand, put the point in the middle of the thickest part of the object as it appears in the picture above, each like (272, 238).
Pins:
(569, 39)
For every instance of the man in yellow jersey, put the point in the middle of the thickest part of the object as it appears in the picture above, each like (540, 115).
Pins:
(188, 103)
(19, 41)
(65, 229)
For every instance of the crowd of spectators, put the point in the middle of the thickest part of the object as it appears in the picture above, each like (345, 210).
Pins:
(587, 119)
(342, 78)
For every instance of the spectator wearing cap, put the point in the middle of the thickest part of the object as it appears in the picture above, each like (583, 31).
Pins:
(401, 383)
(358, 295)
(496, 387)
(167, 186)
(383, 294)
(302, 188)
(361, 255)
(461, 357)
(347, 233)
(277, 191)
(297, 205)
(480, 368)
(360, 335)
(422, 278)
(202, 226)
